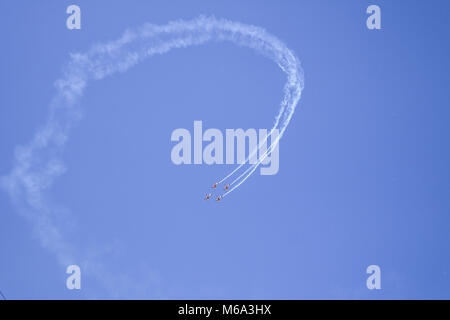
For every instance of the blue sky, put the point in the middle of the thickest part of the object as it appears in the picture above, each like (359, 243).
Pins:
(363, 177)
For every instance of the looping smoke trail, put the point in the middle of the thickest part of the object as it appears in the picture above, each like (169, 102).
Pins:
(38, 163)
(273, 145)
(292, 93)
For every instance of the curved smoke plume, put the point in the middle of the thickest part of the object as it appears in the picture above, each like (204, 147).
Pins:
(38, 163)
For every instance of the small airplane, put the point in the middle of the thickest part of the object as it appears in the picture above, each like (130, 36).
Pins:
(219, 198)
(208, 195)
(215, 185)
(227, 186)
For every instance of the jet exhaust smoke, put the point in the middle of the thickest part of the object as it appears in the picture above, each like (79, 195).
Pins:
(38, 163)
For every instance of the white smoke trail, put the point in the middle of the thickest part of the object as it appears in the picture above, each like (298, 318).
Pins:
(253, 167)
(273, 145)
(255, 150)
(293, 90)
(247, 173)
(38, 163)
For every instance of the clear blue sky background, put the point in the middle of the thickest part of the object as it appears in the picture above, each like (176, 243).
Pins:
(364, 174)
